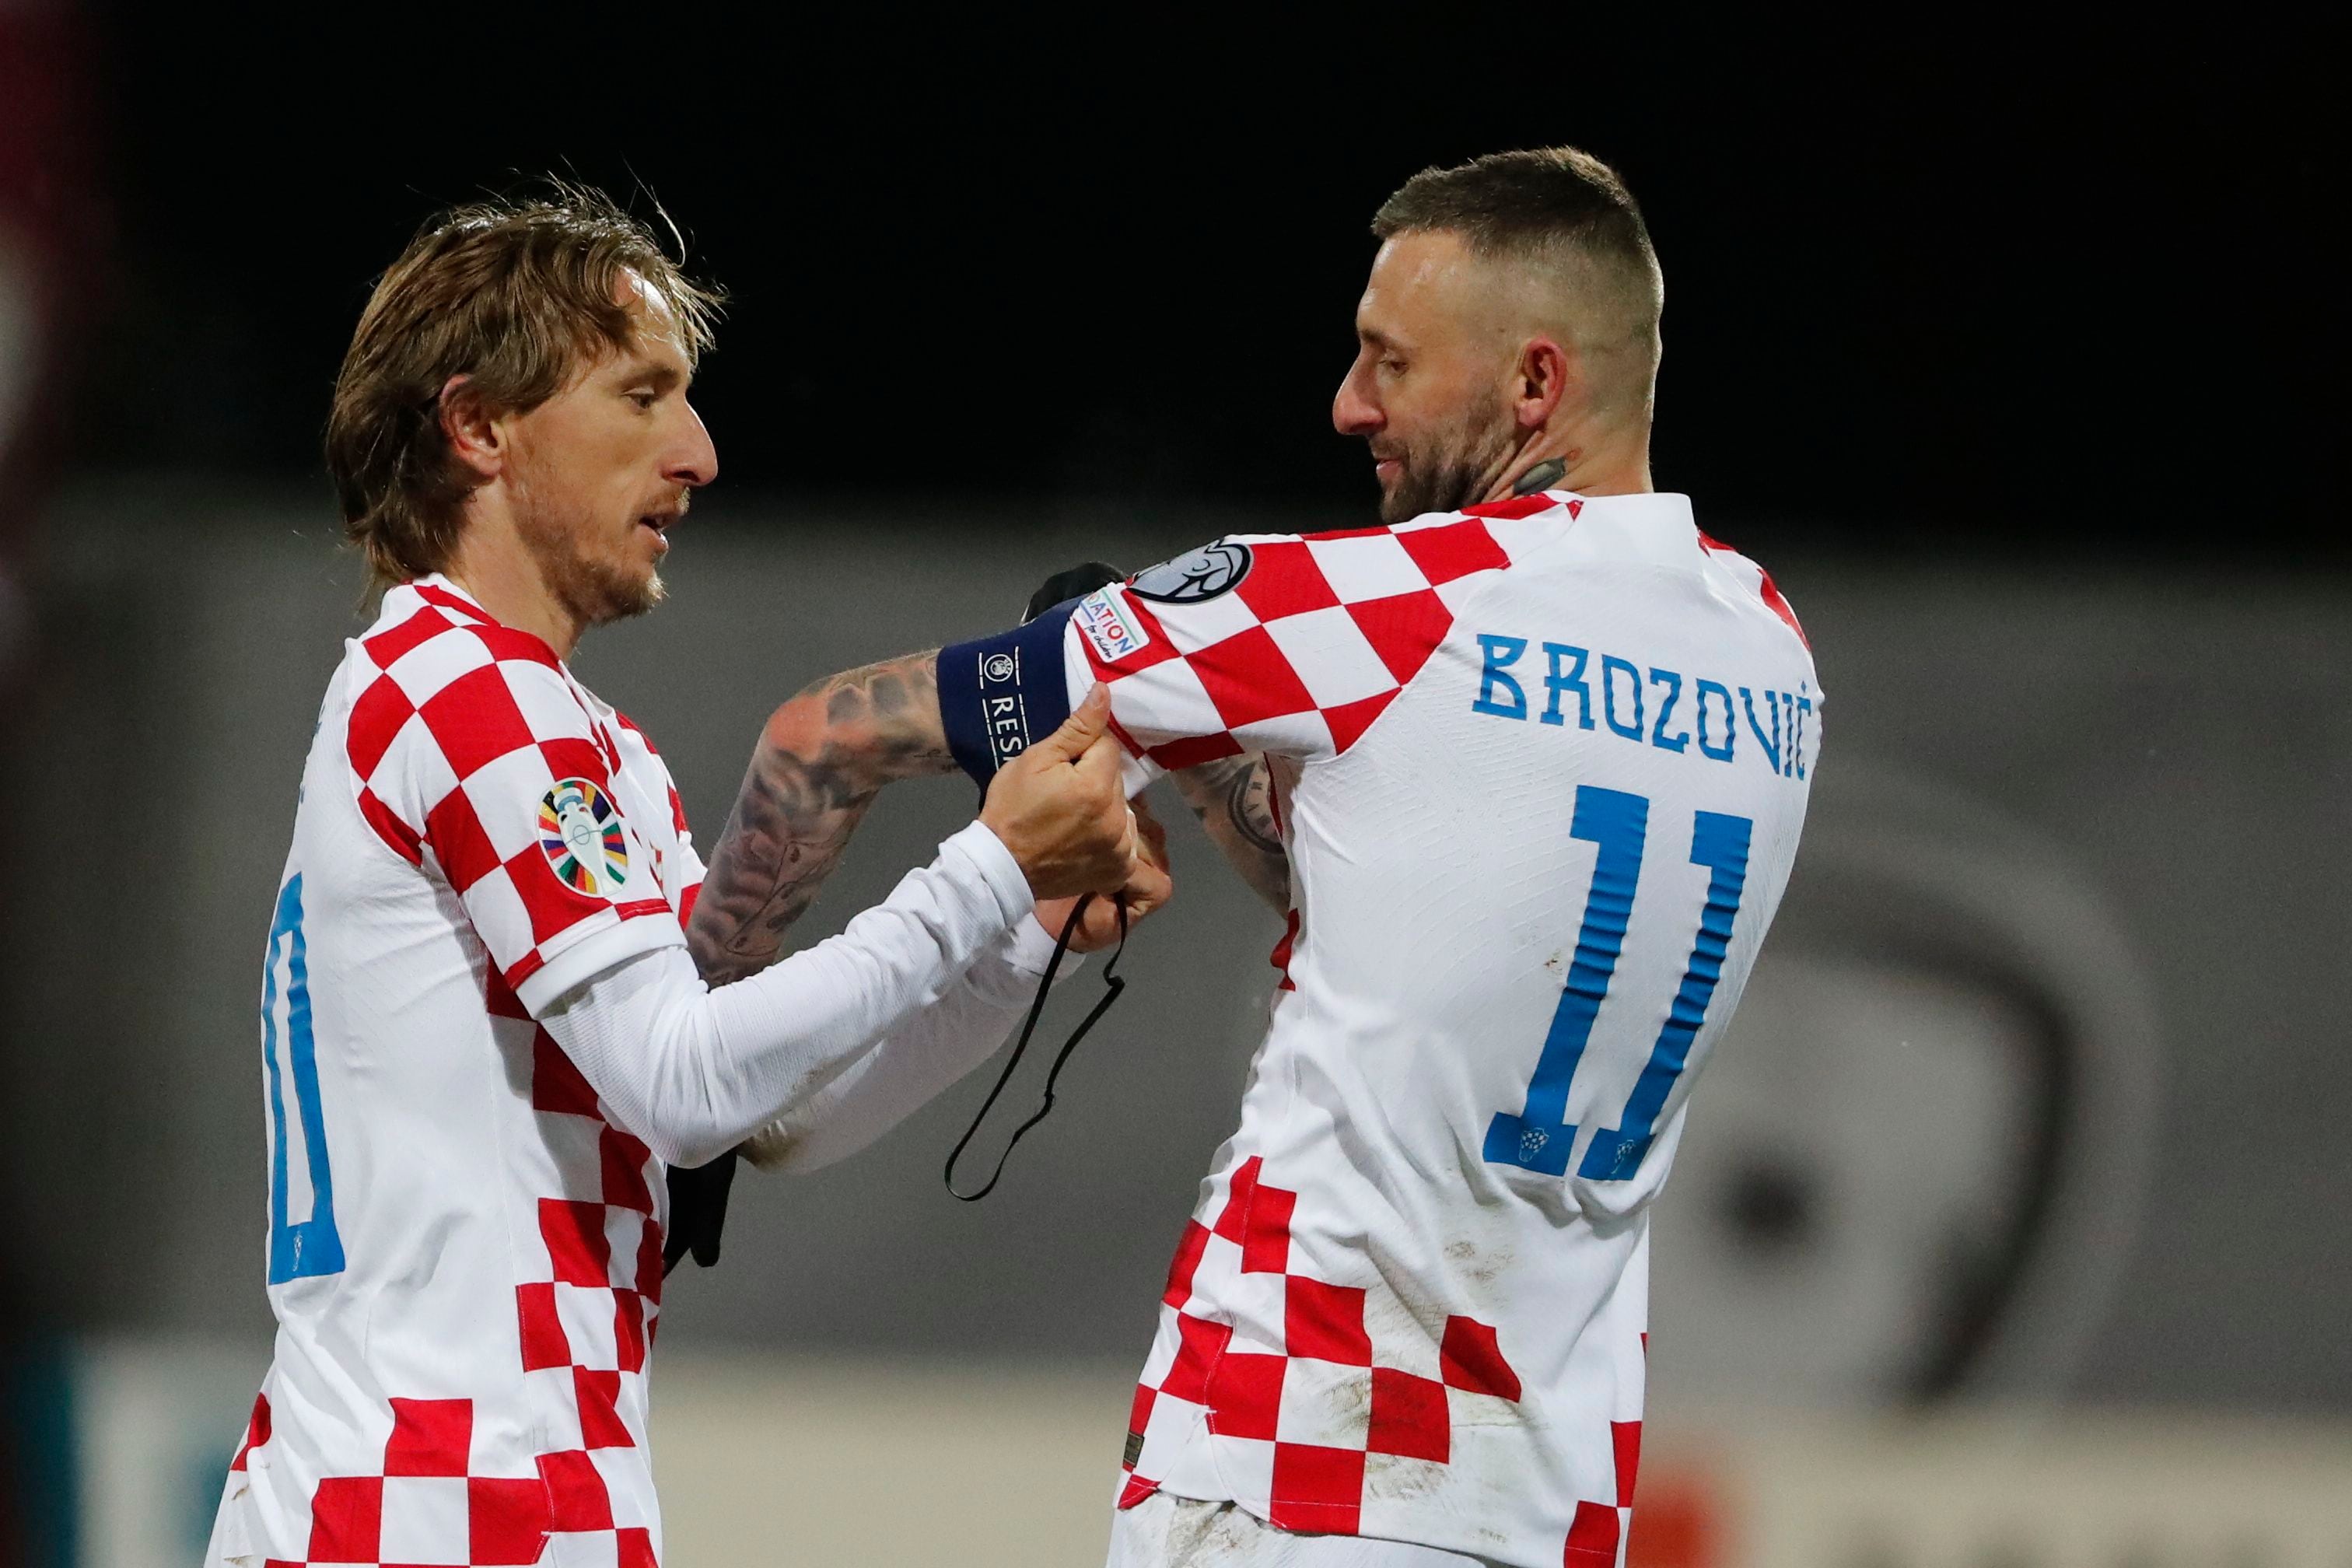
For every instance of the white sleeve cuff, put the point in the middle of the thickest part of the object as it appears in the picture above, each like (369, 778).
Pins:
(1029, 947)
(1006, 975)
(977, 847)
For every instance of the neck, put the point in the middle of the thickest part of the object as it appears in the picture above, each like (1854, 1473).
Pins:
(1590, 461)
(492, 564)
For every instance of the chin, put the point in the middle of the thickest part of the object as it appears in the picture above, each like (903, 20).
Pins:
(650, 591)
(620, 595)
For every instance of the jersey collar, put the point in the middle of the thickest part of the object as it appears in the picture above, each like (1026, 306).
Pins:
(1652, 525)
(436, 588)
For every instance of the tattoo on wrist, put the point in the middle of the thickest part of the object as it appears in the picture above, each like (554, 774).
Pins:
(823, 758)
(886, 718)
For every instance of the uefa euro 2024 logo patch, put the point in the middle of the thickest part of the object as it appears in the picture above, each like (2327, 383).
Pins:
(580, 833)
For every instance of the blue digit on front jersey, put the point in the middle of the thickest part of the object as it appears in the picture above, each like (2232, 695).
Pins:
(313, 1246)
(1719, 843)
(1538, 1138)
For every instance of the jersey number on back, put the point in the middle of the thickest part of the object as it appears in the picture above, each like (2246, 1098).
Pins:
(1539, 1138)
(298, 1250)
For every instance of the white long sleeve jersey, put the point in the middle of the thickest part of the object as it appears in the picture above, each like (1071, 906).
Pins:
(1555, 757)
(464, 1234)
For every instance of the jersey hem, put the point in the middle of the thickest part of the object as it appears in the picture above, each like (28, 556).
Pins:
(1468, 1543)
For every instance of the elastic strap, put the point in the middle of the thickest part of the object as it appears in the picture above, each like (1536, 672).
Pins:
(1113, 983)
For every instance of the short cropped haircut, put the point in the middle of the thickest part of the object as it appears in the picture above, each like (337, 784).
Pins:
(516, 294)
(1548, 205)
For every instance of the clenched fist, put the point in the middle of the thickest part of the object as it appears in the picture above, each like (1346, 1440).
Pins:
(1148, 886)
(1061, 809)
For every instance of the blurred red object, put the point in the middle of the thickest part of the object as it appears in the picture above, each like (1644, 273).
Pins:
(1678, 1523)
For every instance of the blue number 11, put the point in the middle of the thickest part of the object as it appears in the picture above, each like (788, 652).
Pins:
(1540, 1137)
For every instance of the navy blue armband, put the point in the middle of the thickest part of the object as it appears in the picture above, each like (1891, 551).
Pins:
(1000, 694)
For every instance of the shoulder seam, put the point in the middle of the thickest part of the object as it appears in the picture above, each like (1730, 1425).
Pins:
(1765, 589)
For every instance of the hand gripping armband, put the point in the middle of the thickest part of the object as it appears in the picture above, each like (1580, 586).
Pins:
(998, 694)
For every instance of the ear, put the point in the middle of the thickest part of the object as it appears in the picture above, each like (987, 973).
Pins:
(1541, 381)
(473, 434)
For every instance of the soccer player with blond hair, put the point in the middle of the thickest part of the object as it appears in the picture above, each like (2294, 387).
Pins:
(497, 1002)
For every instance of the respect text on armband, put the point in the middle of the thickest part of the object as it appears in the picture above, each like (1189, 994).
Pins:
(1640, 703)
(1004, 713)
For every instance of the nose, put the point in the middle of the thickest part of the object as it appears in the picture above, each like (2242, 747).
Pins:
(1354, 410)
(694, 462)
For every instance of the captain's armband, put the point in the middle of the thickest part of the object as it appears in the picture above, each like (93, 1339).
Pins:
(1000, 694)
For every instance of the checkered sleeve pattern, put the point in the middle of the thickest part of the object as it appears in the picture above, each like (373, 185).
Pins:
(1302, 654)
(463, 737)
(1322, 1424)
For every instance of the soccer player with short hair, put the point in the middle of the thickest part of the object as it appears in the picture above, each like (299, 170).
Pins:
(483, 1032)
(1525, 768)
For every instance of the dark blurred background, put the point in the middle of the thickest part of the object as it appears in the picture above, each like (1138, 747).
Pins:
(1980, 290)
(2004, 347)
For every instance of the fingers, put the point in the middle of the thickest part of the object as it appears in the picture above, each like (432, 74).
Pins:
(1099, 763)
(1080, 732)
(1148, 888)
(1148, 885)
(1154, 838)
(1098, 775)
(1061, 807)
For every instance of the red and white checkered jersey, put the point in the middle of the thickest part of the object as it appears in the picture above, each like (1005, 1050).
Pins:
(463, 1252)
(1555, 762)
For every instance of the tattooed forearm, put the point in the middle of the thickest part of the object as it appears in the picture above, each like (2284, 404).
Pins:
(822, 759)
(1233, 798)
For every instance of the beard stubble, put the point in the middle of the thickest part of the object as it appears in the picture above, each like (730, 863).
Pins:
(592, 592)
(1453, 472)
